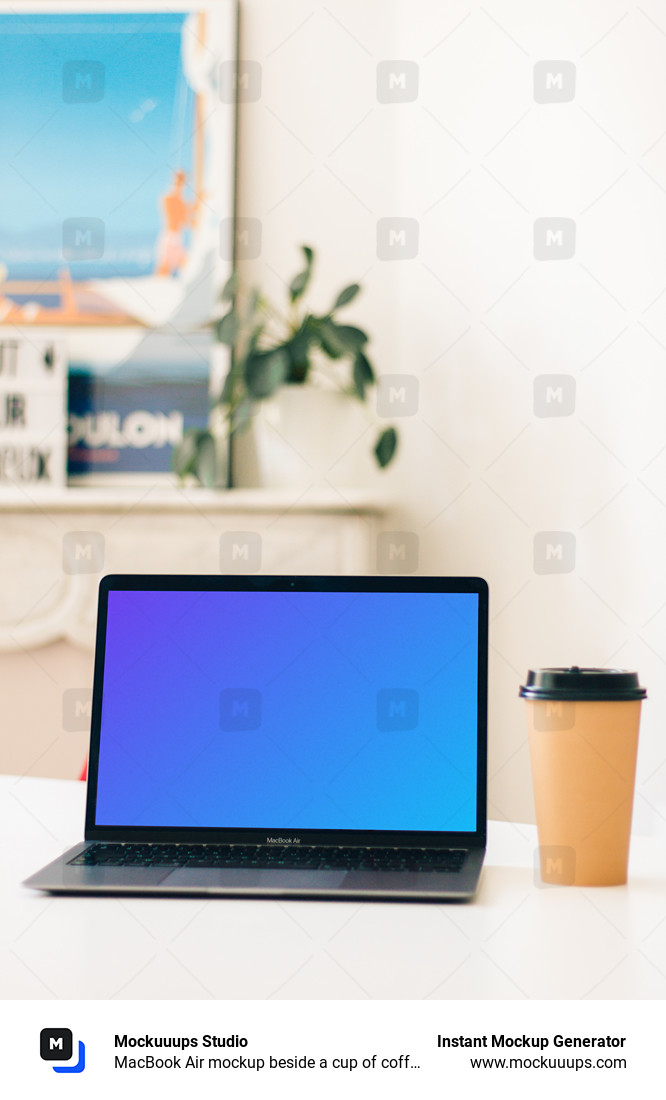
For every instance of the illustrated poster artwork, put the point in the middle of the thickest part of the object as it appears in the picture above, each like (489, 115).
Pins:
(118, 170)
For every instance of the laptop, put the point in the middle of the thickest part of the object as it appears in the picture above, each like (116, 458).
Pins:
(285, 737)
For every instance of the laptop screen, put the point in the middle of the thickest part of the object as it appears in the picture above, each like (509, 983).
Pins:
(289, 710)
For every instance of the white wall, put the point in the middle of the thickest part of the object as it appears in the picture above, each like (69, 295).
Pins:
(476, 318)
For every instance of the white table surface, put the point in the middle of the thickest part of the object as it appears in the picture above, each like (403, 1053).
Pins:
(518, 939)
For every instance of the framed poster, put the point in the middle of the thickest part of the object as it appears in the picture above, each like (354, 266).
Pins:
(118, 172)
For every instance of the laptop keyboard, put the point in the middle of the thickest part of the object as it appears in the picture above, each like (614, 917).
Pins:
(262, 856)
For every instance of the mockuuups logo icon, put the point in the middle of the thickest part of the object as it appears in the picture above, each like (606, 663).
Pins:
(83, 552)
(56, 1045)
(397, 710)
(240, 236)
(397, 81)
(554, 395)
(554, 238)
(82, 239)
(240, 81)
(83, 81)
(554, 81)
(397, 552)
(397, 238)
(240, 552)
(555, 865)
(397, 395)
(76, 709)
(240, 709)
(554, 552)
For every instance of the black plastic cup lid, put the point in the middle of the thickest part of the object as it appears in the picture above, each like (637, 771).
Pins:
(582, 683)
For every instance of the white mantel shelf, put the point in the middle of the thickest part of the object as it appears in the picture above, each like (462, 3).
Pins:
(56, 545)
(166, 498)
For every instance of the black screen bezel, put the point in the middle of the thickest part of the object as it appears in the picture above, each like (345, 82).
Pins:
(189, 583)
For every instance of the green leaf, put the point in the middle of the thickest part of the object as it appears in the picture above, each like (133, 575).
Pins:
(255, 337)
(253, 301)
(299, 283)
(346, 295)
(265, 371)
(328, 338)
(184, 455)
(386, 446)
(366, 367)
(242, 417)
(339, 340)
(298, 349)
(226, 330)
(229, 288)
(228, 388)
(353, 338)
(206, 461)
(363, 374)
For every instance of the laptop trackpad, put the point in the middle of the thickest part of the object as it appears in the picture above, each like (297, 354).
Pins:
(247, 878)
(115, 876)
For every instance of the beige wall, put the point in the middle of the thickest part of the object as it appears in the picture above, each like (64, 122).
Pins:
(34, 740)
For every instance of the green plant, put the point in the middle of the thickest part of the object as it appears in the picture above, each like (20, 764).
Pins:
(271, 349)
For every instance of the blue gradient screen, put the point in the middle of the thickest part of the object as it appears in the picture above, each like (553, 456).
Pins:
(290, 710)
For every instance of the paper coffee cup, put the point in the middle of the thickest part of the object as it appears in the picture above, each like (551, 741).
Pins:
(583, 734)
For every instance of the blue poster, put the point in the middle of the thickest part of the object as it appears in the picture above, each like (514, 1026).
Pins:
(128, 419)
